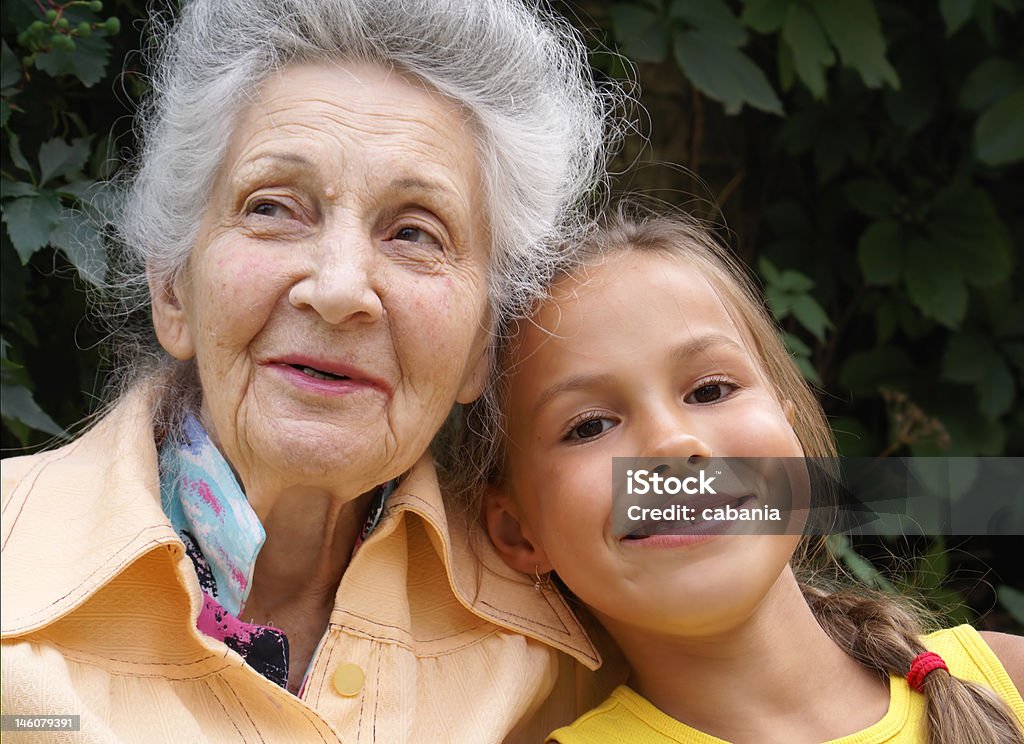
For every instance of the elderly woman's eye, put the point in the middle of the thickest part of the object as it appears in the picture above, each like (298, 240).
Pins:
(268, 209)
(415, 235)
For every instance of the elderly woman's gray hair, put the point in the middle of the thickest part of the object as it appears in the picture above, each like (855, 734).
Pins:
(519, 72)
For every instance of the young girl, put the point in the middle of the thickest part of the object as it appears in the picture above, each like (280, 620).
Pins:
(657, 345)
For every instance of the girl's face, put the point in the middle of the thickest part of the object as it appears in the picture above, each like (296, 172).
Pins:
(639, 358)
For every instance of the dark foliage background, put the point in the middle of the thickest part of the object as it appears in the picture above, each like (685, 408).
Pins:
(864, 157)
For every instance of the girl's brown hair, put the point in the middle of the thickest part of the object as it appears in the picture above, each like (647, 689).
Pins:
(881, 631)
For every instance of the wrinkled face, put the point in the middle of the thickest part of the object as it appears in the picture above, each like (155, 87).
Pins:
(640, 358)
(335, 300)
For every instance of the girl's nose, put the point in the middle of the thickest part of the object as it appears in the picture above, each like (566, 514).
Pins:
(673, 434)
(342, 283)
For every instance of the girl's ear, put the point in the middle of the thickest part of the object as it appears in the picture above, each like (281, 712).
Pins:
(169, 319)
(511, 537)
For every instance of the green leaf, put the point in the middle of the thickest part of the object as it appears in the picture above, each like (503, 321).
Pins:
(642, 35)
(862, 569)
(5, 112)
(58, 158)
(914, 104)
(811, 52)
(811, 316)
(10, 189)
(933, 566)
(999, 132)
(995, 392)
(768, 271)
(764, 16)
(1012, 601)
(10, 67)
(82, 243)
(807, 370)
(881, 252)
(779, 302)
(885, 366)
(934, 283)
(793, 281)
(87, 61)
(712, 17)
(795, 345)
(871, 197)
(786, 66)
(968, 358)
(964, 224)
(990, 81)
(724, 73)
(14, 150)
(17, 403)
(955, 13)
(854, 29)
(972, 433)
(30, 220)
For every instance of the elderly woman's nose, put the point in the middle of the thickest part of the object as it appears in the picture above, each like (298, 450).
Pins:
(341, 284)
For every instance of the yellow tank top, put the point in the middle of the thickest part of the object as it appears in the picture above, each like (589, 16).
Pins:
(627, 718)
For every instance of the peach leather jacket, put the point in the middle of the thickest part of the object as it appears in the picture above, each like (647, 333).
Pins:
(100, 601)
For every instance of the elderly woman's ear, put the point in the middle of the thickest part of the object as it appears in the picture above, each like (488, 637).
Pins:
(169, 319)
(476, 376)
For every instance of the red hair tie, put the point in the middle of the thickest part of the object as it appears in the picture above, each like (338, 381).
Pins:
(923, 665)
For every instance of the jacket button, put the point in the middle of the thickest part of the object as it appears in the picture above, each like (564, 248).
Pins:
(348, 679)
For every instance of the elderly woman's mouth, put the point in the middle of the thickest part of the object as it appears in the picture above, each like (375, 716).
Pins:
(327, 376)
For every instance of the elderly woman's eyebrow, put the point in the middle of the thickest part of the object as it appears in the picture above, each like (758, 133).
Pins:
(417, 184)
(403, 183)
(284, 156)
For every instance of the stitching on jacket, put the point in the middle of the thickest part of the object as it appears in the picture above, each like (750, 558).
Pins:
(120, 567)
(227, 715)
(351, 613)
(238, 703)
(563, 629)
(351, 630)
(23, 485)
(376, 699)
(90, 659)
(329, 664)
(362, 707)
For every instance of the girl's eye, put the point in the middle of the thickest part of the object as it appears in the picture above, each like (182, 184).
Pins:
(711, 392)
(415, 235)
(590, 428)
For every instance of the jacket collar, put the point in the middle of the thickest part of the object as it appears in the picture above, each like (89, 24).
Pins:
(75, 518)
(479, 578)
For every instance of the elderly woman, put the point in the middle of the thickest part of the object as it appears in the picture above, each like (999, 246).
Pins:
(334, 203)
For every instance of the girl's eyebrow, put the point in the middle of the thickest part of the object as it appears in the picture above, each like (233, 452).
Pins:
(681, 353)
(569, 384)
(701, 344)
